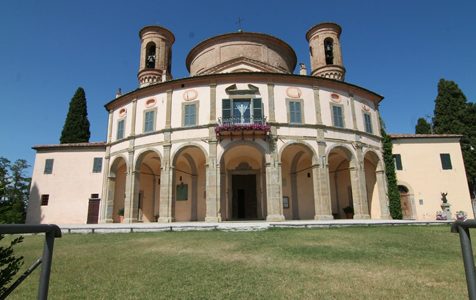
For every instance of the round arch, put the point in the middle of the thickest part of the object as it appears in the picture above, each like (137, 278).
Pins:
(235, 144)
(141, 156)
(303, 143)
(115, 164)
(183, 147)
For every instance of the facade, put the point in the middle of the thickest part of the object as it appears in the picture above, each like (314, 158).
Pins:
(428, 165)
(241, 138)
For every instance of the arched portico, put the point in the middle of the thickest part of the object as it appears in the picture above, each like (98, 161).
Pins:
(243, 179)
(188, 182)
(297, 182)
(375, 186)
(347, 182)
(147, 196)
(116, 184)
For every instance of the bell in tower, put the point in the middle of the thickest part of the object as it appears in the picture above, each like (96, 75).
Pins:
(326, 56)
(155, 55)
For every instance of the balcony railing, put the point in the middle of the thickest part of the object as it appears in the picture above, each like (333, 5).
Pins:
(241, 127)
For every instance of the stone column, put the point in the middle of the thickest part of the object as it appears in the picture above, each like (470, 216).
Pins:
(359, 189)
(165, 212)
(104, 204)
(132, 195)
(321, 185)
(382, 195)
(109, 201)
(212, 184)
(274, 187)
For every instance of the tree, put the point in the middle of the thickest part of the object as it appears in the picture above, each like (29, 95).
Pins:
(393, 193)
(450, 108)
(9, 263)
(454, 114)
(422, 126)
(76, 125)
(14, 191)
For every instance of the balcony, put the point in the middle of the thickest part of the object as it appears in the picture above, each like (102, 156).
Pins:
(241, 128)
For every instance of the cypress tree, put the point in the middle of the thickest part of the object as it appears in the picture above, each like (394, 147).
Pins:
(76, 125)
(450, 108)
(422, 127)
(454, 114)
(393, 193)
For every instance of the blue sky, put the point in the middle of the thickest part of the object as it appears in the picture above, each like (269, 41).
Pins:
(399, 49)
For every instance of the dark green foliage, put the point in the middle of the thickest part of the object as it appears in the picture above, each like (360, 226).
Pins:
(422, 126)
(454, 114)
(14, 191)
(76, 126)
(9, 264)
(450, 108)
(393, 193)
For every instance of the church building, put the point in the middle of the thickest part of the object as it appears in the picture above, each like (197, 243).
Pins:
(242, 138)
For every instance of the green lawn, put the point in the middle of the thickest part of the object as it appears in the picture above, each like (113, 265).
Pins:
(403, 262)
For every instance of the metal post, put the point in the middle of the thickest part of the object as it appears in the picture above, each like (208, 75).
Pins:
(46, 267)
(468, 261)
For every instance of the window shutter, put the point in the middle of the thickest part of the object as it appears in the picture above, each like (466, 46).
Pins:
(257, 111)
(226, 110)
(446, 161)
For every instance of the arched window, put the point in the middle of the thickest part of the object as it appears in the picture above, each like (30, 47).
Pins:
(329, 51)
(150, 56)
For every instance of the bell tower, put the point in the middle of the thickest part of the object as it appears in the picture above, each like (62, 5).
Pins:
(324, 47)
(155, 55)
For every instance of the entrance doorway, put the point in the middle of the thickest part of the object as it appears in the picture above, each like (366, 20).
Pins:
(93, 211)
(244, 201)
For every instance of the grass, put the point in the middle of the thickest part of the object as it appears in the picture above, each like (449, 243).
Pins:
(403, 262)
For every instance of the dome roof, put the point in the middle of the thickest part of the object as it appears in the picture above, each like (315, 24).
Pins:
(241, 52)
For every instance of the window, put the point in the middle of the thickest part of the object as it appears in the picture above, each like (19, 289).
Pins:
(368, 123)
(149, 121)
(120, 129)
(398, 161)
(44, 199)
(337, 116)
(189, 114)
(94, 196)
(242, 111)
(329, 51)
(49, 166)
(295, 112)
(97, 165)
(446, 161)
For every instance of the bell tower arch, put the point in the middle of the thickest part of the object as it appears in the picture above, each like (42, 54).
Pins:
(155, 55)
(325, 51)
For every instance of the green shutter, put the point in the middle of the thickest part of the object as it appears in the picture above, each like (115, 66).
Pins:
(226, 110)
(257, 111)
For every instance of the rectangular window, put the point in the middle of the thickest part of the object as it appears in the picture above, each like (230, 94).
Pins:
(242, 111)
(120, 129)
(49, 166)
(337, 116)
(94, 196)
(295, 112)
(149, 121)
(368, 123)
(398, 161)
(446, 161)
(44, 199)
(97, 165)
(190, 115)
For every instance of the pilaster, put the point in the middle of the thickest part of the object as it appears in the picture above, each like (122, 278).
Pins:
(165, 212)
(352, 107)
(359, 190)
(271, 107)
(321, 185)
(168, 111)
(274, 187)
(382, 195)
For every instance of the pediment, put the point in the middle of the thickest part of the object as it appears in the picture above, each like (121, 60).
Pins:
(242, 64)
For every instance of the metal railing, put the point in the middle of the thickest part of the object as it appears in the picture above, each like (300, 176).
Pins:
(51, 232)
(239, 120)
(462, 227)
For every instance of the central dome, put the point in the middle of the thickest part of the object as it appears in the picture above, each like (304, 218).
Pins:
(241, 52)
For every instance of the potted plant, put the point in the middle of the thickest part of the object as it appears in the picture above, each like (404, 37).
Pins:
(440, 215)
(121, 215)
(349, 212)
(460, 215)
